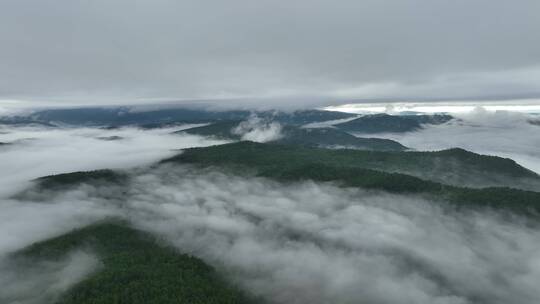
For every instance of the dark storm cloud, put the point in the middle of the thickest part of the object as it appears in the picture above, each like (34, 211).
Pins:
(111, 51)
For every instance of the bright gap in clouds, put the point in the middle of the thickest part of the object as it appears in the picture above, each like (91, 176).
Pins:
(456, 107)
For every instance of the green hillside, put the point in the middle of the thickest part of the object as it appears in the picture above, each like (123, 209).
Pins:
(63, 180)
(382, 123)
(221, 130)
(454, 166)
(137, 268)
(329, 137)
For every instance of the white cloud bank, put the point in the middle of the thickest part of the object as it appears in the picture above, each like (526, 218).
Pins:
(37, 152)
(452, 107)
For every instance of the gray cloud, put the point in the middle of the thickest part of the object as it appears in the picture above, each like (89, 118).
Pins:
(106, 52)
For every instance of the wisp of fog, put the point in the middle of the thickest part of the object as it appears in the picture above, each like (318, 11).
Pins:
(44, 282)
(258, 129)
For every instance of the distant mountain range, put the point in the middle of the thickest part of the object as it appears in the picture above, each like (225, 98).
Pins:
(384, 123)
(313, 137)
(124, 116)
(117, 117)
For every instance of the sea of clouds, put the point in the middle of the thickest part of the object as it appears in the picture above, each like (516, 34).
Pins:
(308, 242)
(302, 242)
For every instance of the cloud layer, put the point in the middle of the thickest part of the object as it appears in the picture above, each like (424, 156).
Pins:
(126, 51)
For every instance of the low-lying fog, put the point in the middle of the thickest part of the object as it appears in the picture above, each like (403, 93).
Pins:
(36, 151)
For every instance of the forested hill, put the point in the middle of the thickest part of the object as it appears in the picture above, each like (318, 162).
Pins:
(330, 137)
(383, 123)
(454, 166)
(63, 180)
(294, 135)
(221, 130)
(136, 268)
(127, 116)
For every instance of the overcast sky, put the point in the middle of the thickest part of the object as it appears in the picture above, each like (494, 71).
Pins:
(103, 51)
